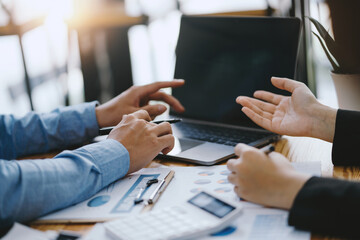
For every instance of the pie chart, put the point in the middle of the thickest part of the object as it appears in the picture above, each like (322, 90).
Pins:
(98, 201)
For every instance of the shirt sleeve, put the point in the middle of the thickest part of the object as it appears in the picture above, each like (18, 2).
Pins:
(39, 133)
(346, 138)
(32, 188)
(328, 206)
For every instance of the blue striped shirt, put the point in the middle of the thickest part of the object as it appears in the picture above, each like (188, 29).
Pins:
(32, 188)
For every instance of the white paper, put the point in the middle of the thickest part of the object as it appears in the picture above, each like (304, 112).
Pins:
(312, 168)
(19, 231)
(256, 222)
(113, 201)
(96, 233)
(190, 180)
(260, 224)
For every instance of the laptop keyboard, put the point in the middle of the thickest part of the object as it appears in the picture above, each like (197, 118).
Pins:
(221, 135)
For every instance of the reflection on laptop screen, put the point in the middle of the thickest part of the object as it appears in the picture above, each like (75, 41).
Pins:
(224, 57)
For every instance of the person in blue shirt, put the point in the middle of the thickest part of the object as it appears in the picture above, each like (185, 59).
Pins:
(32, 188)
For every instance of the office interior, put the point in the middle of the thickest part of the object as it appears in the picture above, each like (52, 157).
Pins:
(64, 52)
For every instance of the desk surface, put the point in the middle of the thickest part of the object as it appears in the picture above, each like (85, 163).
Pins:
(297, 149)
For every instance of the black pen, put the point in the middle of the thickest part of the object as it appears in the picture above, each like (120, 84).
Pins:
(268, 149)
(107, 130)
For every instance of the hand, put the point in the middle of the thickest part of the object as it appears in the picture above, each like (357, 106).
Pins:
(136, 98)
(298, 115)
(264, 179)
(142, 139)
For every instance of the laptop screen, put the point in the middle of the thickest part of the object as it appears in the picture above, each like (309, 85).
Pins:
(221, 58)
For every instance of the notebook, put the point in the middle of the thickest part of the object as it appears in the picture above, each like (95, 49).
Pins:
(221, 58)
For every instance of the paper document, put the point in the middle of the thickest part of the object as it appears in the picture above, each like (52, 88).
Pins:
(115, 200)
(257, 222)
(19, 231)
(190, 180)
(260, 224)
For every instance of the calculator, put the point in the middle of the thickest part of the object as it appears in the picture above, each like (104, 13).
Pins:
(200, 215)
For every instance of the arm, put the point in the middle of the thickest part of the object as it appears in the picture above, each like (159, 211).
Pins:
(328, 206)
(33, 188)
(64, 127)
(321, 205)
(347, 138)
(298, 115)
(39, 133)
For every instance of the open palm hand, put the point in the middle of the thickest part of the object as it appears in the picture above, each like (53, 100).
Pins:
(298, 115)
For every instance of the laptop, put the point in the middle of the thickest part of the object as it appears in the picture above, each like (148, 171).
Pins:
(221, 58)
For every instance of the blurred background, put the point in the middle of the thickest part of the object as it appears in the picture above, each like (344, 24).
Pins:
(64, 52)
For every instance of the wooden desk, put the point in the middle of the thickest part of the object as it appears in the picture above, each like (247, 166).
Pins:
(297, 149)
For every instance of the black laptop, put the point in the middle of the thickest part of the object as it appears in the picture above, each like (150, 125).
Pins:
(221, 58)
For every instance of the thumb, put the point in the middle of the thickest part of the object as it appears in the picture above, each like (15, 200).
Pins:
(285, 83)
(154, 110)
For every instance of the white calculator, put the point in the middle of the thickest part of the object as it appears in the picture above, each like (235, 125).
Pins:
(200, 215)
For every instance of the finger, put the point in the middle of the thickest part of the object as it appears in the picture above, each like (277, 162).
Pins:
(232, 178)
(231, 165)
(269, 97)
(254, 106)
(162, 129)
(256, 118)
(240, 148)
(154, 110)
(247, 101)
(154, 87)
(237, 190)
(261, 112)
(167, 143)
(285, 83)
(172, 101)
(142, 114)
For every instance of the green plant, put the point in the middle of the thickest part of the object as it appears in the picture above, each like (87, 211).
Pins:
(337, 58)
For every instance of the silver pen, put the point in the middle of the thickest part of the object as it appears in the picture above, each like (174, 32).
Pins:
(138, 198)
(268, 149)
(107, 130)
(154, 196)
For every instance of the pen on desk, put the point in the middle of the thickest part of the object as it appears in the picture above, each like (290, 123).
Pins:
(154, 196)
(138, 198)
(107, 130)
(268, 149)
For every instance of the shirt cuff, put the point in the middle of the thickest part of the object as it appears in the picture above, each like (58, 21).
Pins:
(89, 114)
(111, 157)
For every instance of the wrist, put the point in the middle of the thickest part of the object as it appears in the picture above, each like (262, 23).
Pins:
(99, 116)
(295, 184)
(323, 126)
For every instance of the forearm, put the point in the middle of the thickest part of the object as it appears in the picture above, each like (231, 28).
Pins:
(39, 133)
(32, 188)
(346, 139)
(327, 206)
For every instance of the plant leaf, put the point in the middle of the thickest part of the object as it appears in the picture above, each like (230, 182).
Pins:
(328, 55)
(329, 41)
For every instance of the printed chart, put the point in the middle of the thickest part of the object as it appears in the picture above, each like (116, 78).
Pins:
(113, 201)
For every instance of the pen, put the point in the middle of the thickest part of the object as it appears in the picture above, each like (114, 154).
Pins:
(268, 149)
(154, 196)
(107, 130)
(138, 198)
